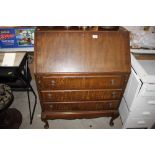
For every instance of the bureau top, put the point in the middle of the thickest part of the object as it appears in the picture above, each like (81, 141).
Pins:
(82, 51)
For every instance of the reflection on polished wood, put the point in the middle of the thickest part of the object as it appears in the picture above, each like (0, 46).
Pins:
(79, 52)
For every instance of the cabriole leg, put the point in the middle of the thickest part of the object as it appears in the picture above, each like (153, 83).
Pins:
(43, 118)
(46, 126)
(111, 123)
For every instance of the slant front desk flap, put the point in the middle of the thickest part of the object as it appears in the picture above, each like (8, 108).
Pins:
(82, 51)
(81, 73)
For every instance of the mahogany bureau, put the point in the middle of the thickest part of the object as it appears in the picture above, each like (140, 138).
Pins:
(81, 73)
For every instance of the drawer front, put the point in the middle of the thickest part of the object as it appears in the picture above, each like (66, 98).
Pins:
(148, 90)
(69, 96)
(143, 103)
(82, 106)
(138, 123)
(142, 113)
(76, 83)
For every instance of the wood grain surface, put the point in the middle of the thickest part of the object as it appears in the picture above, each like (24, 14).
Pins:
(80, 52)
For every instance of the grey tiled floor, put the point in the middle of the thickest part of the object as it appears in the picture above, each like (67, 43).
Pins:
(21, 103)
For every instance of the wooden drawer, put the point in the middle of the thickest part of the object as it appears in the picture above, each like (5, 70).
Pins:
(91, 95)
(81, 106)
(78, 83)
(78, 114)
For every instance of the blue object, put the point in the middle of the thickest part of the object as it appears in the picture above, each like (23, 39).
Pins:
(16, 37)
(7, 38)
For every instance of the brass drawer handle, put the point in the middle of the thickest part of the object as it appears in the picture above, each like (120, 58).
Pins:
(110, 105)
(113, 94)
(51, 106)
(49, 95)
(112, 82)
(53, 82)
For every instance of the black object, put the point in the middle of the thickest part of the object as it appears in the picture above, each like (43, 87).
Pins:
(6, 97)
(19, 78)
(9, 118)
(109, 28)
